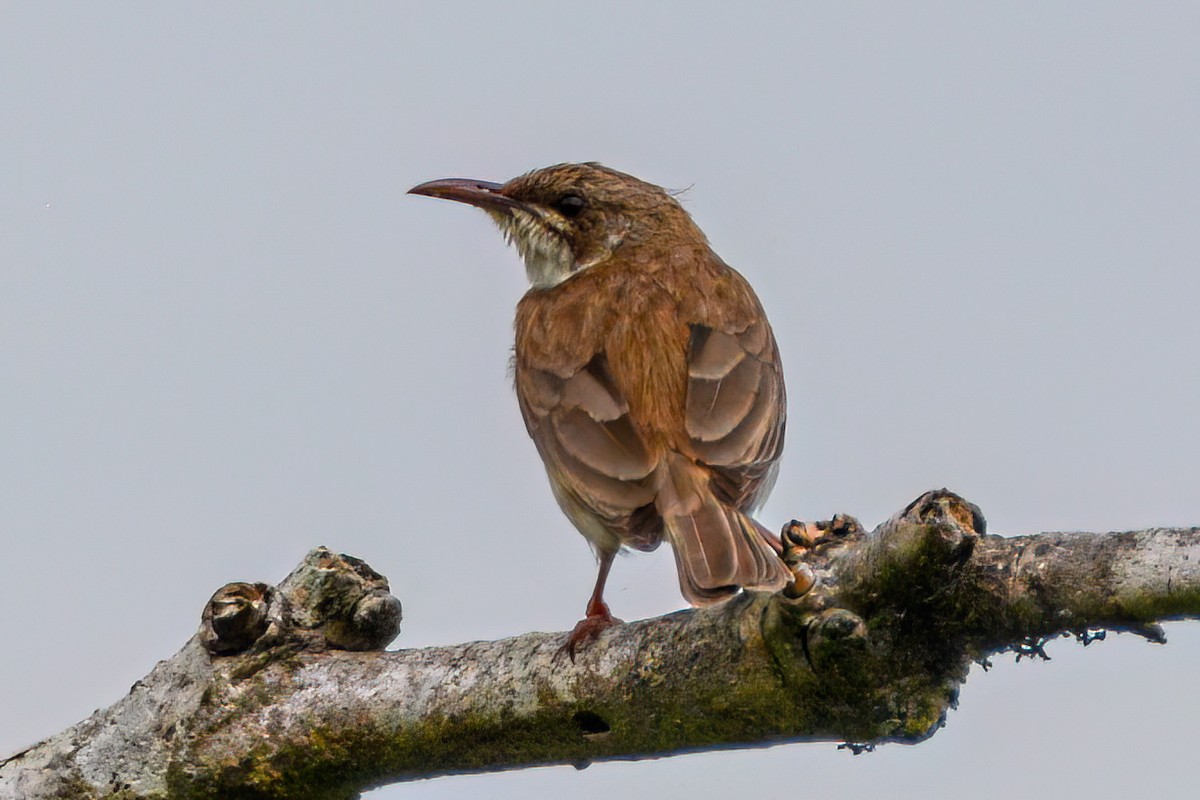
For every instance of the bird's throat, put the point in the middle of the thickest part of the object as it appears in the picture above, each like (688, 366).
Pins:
(546, 253)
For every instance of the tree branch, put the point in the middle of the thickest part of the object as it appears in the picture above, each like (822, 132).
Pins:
(286, 692)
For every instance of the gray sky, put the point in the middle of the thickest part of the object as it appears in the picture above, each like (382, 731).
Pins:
(227, 336)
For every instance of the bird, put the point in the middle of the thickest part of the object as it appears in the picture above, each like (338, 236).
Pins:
(647, 375)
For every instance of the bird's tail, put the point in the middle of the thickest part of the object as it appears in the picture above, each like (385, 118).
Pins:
(718, 549)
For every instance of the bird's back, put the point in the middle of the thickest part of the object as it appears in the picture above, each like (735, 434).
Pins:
(638, 341)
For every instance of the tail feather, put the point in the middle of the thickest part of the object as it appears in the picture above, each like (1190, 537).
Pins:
(719, 550)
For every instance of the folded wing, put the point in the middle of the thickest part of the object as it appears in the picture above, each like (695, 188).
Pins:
(599, 467)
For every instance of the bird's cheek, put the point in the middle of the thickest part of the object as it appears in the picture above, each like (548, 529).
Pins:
(600, 245)
(588, 254)
(616, 234)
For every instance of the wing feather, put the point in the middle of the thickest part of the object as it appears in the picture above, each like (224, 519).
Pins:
(736, 407)
(601, 470)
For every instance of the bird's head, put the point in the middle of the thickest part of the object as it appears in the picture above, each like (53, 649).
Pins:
(569, 217)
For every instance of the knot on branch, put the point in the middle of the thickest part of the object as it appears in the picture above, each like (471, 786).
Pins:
(240, 614)
(328, 601)
(915, 561)
(834, 629)
(944, 507)
(868, 614)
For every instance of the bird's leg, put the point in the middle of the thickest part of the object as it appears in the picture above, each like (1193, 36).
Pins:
(598, 617)
(596, 606)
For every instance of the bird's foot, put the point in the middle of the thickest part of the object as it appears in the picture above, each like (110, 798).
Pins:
(803, 543)
(799, 535)
(799, 538)
(806, 535)
(586, 631)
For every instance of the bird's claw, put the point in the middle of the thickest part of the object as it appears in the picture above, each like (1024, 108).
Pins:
(585, 632)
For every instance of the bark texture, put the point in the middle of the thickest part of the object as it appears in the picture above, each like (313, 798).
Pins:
(286, 692)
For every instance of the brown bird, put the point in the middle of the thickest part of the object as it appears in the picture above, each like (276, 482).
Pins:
(647, 375)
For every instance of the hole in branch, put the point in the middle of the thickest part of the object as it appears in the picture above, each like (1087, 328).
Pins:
(590, 722)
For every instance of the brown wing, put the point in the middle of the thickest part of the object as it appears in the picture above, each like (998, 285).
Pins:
(736, 407)
(599, 467)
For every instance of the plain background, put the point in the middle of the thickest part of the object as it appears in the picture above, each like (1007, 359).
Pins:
(227, 336)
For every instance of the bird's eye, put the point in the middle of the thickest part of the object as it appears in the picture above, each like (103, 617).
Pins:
(569, 205)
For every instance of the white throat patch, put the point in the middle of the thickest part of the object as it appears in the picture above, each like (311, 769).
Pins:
(548, 259)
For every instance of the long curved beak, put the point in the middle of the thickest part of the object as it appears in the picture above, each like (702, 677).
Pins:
(482, 194)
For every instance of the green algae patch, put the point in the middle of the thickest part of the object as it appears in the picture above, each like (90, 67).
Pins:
(1150, 606)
